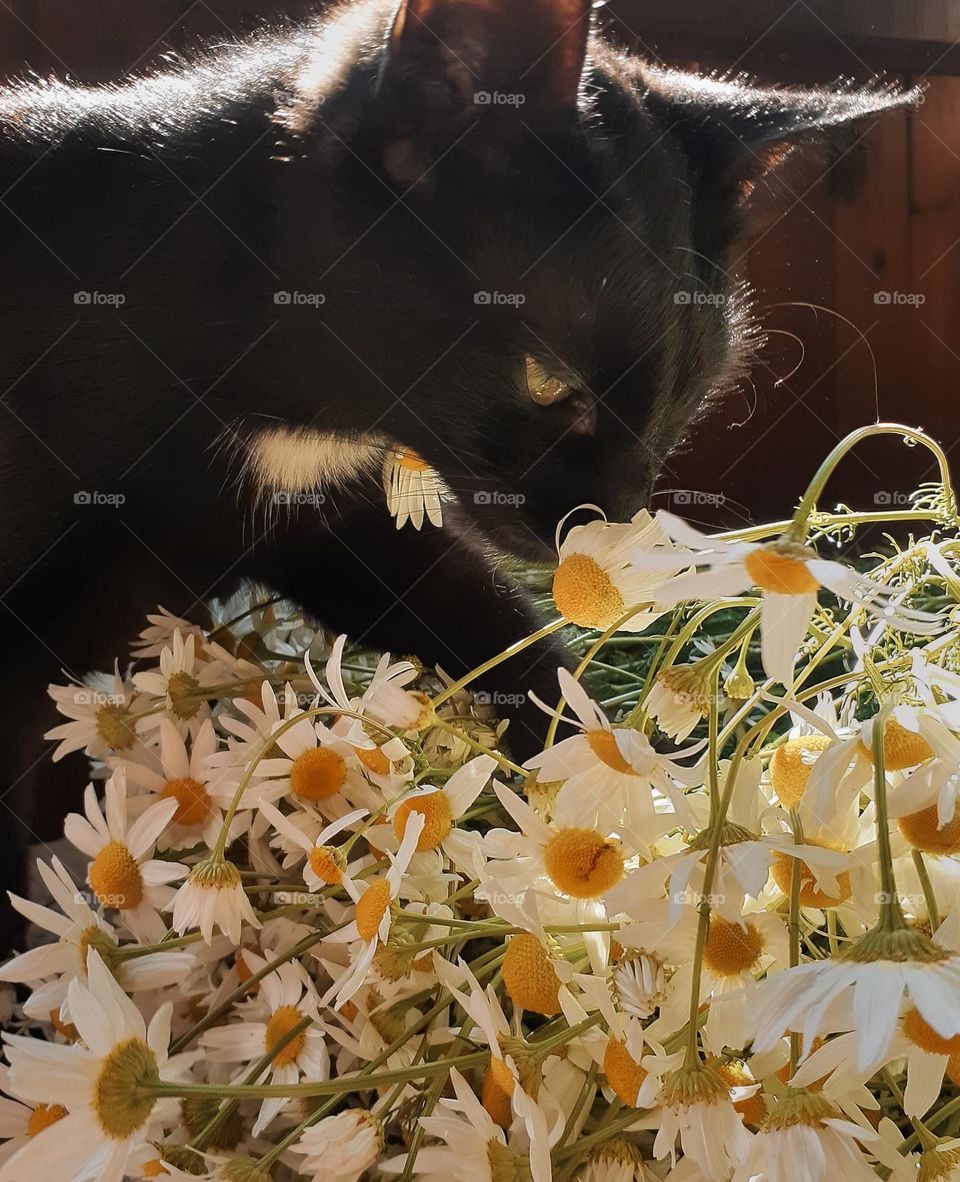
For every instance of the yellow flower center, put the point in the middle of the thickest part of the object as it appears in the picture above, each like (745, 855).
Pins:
(921, 830)
(752, 1110)
(529, 977)
(282, 1021)
(780, 571)
(624, 1074)
(121, 1101)
(374, 760)
(781, 871)
(186, 696)
(584, 593)
(731, 949)
(901, 748)
(116, 878)
(496, 1096)
(116, 726)
(791, 763)
(318, 774)
(193, 803)
(371, 908)
(43, 1116)
(407, 458)
(328, 864)
(604, 746)
(923, 1035)
(582, 863)
(435, 809)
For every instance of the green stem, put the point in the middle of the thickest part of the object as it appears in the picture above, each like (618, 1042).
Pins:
(512, 651)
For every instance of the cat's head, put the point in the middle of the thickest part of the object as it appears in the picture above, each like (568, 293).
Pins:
(553, 300)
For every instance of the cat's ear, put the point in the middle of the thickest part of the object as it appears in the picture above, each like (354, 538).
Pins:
(735, 132)
(452, 61)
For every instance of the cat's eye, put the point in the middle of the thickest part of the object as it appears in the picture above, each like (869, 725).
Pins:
(544, 388)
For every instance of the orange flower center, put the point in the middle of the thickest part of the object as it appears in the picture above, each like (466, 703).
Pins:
(116, 878)
(318, 774)
(374, 760)
(731, 949)
(752, 1110)
(529, 977)
(582, 863)
(921, 830)
(327, 863)
(193, 803)
(282, 1021)
(781, 871)
(780, 572)
(604, 746)
(584, 593)
(371, 908)
(923, 1035)
(497, 1092)
(435, 809)
(43, 1116)
(791, 763)
(901, 748)
(624, 1074)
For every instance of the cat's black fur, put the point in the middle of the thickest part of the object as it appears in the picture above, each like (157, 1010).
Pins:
(351, 159)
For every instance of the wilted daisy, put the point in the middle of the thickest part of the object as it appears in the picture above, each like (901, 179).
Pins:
(790, 576)
(871, 979)
(697, 1107)
(679, 700)
(807, 1139)
(339, 1148)
(162, 627)
(213, 896)
(104, 1083)
(600, 572)
(284, 999)
(415, 491)
(371, 924)
(123, 873)
(610, 774)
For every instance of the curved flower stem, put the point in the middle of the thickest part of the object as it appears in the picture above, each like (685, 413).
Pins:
(797, 529)
(929, 895)
(478, 748)
(512, 651)
(823, 520)
(793, 925)
(585, 664)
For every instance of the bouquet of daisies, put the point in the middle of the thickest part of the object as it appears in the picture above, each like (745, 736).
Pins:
(315, 922)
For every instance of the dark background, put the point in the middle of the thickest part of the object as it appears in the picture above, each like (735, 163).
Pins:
(884, 218)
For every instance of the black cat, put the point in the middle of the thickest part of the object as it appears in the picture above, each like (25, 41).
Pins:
(467, 227)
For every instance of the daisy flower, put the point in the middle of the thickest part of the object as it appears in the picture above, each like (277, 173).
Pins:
(601, 573)
(474, 1148)
(697, 1106)
(326, 865)
(123, 874)
(679, 700)
(929, 794)
(77, 929)
(101, 714)
(610, 774)
(162, 627)
(102, 1082)
(179, 683)
(339, 1148)
(414, 490)
(441, 808)
(285, 998)
(790, 575)
(187, 779)
(873, 977)
(213, 896)
(371, 924)
(19, 1122)
(807, 1139)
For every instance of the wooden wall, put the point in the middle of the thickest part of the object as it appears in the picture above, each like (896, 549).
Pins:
(886, 218)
